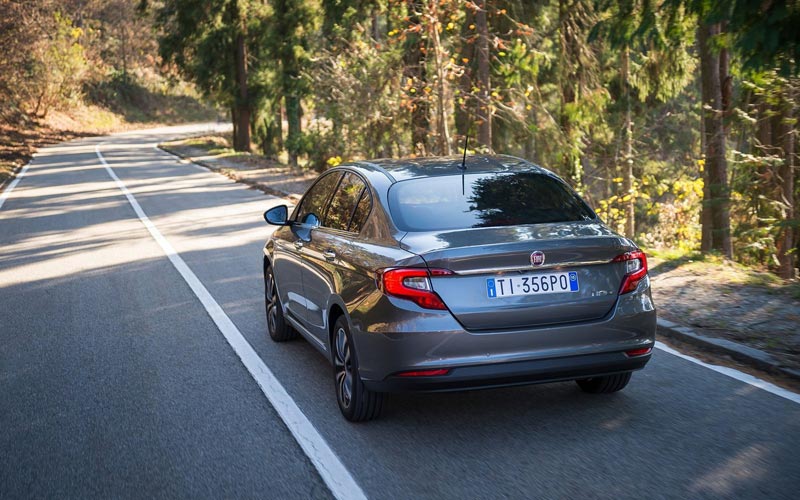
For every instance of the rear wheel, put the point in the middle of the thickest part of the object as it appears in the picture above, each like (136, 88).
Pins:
(356, 402)
(606, 384)
(278, 329)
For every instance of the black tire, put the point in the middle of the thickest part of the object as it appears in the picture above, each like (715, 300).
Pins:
(605, 385)
(277, 327)
(356, 402)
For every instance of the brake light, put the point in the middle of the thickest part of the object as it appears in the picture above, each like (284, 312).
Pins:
(413, 283)
(635, 270)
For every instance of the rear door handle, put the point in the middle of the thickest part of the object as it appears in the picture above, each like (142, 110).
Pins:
(329, 255)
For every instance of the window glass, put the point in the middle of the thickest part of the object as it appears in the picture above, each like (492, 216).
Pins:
(344, 202)
(361, 213)
(485, 200)
(317, 197)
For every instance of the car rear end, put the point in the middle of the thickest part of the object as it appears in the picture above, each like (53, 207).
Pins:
(521, 283)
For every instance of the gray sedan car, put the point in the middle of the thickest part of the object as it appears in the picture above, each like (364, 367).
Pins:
(426, 275)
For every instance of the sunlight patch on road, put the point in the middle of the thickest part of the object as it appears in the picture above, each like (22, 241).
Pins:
(725, 479)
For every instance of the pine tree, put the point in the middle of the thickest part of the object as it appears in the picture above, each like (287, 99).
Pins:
(207, 40)
(292, 21)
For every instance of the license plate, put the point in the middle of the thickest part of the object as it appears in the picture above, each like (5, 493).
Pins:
(532, 284)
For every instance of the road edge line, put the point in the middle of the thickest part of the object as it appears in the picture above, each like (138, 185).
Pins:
(735, 374)
(11, 185)
(332, 471)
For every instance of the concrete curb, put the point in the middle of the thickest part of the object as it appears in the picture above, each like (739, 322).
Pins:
(292, 197)
(752, 357)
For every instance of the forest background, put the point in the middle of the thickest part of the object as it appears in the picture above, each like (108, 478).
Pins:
(675, 119)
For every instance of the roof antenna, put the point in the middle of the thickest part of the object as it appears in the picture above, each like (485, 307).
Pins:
(463, 166)
(464, 159)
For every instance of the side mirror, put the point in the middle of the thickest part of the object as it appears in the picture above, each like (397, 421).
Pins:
(277, 215)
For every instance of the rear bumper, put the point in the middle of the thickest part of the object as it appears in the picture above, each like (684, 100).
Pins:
(418, 339)
(516, 373)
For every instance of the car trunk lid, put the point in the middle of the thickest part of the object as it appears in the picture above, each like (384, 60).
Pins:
(576, 281)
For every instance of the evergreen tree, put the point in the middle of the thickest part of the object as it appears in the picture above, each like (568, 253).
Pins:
(291, 25)
(208, 42)
(654, 63)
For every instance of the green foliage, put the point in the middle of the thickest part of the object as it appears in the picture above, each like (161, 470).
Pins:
(198, 37)
(671, 212)
(368, 78)
(756, 212)
(358, 98)
(761, 210)
(766, 33)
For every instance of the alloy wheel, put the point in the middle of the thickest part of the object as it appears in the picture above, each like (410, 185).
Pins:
(272, 302)
(344, 369)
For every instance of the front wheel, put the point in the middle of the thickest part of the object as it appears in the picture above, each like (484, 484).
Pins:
(606, 384)
(278, 329)
(356, 402)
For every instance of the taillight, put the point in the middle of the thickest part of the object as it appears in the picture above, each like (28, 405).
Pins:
(413, 283)
(639, 352)
(635, 270)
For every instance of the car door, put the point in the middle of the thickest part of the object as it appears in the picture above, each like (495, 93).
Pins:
(331, 255)
(289, 254)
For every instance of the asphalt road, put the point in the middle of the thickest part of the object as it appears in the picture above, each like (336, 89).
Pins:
(116, 382)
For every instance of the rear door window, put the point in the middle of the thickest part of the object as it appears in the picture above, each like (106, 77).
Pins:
(316, 200)
(344, 202)
(484, 200)
(362, 212)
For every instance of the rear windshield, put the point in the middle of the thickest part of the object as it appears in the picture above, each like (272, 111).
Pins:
(488, 200)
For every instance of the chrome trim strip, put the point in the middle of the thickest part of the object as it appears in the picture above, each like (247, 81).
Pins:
(529, 268)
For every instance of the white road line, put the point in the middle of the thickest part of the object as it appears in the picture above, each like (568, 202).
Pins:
(740, 376)
(331, 469)
(10, 187)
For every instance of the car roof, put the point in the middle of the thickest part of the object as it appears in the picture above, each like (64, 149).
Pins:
(411, 168)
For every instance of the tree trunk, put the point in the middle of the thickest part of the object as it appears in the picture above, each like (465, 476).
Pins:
(484, 83)
(716, 197)
(531, 146)
(279, 127)
(241, 139)
(726, 84)
(567, 95)
(466, 58)
(443, 133)
(705, 211)
(376, 25)
(785, 243)
(124, 49)
(415, 69)
(294, 115)
(627, 166)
